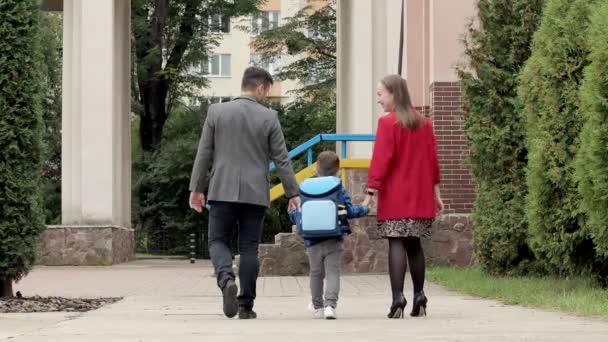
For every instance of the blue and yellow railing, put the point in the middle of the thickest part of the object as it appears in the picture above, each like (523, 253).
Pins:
(345, 163)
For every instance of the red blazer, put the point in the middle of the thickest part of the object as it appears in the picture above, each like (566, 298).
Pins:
(404, 169)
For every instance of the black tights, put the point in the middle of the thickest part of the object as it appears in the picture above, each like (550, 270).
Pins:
(403, 251)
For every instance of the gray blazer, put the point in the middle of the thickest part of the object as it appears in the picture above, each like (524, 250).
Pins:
(239, 139)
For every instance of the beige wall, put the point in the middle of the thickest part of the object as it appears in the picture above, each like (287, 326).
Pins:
(368, 38)
(235, 43)
(316, 4)
(447, 25)
(433, 46)
(272, 5)
(416, 54)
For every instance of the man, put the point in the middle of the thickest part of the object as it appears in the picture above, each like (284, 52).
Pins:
(240, 138)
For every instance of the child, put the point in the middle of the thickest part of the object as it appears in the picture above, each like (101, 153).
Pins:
(324, 254)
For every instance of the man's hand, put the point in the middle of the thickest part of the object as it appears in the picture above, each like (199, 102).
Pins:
(197, 201)
(294, 203)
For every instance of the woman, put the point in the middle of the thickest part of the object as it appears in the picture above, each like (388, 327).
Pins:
(404, 174)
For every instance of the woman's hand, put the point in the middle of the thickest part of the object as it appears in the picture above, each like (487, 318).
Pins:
(369, 195)
(438, 201)
(439, 204)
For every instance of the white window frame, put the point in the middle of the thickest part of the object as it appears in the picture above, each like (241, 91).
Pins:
(207, 72)
(218, 99)
(258, 18)
(221, 26)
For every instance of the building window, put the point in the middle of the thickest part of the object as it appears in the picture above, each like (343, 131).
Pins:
(217, 66)
(218, 99)
(264, 21)
(313, 34)
(218, 23)
(272, 66)
(195, 101)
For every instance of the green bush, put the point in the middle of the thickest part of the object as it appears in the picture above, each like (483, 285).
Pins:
(592, 159)
(549, 92)
(497, 45)
(51, 48)
(21, 92)
(161, 214)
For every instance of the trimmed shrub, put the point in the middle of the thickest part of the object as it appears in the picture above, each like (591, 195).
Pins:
(549, 92)
(592, 159)
(21, 93)
(497, 45)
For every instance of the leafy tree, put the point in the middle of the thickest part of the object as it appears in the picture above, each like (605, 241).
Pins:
(497, 45)
(549, 92)
(52, 54)
(309, 38)
(162, 214)
(592, 159)
(21, 94)
(171, 39)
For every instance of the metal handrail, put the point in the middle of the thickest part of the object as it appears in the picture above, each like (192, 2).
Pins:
(343, 138)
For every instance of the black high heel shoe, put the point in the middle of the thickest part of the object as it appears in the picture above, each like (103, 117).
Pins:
(397, 308)
(419, 306)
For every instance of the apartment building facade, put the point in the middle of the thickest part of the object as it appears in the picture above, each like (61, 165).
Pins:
(225, 66)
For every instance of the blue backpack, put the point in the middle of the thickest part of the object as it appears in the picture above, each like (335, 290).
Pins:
(323, 212)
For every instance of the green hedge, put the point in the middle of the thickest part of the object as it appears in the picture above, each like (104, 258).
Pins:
(496, 48)
(592, 159)
(21, 92)
(161, 213)
(549, 91)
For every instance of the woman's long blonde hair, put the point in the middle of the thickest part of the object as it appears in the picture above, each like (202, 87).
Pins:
(406, 115)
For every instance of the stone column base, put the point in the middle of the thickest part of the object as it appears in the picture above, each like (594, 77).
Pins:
(86, 245)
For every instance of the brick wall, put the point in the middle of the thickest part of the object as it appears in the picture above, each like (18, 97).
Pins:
(425, 110)
(457, 186)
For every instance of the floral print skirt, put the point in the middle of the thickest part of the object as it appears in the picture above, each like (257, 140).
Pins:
(401, 228)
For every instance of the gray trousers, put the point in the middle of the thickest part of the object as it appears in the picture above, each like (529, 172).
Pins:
(324, 261)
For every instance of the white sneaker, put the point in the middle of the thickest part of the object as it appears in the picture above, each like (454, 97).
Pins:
(316, 313)
(330, 313)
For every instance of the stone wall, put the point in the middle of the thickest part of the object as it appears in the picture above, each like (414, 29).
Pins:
(85, 245)
(365, 251)
(286, 257)
(451, 241)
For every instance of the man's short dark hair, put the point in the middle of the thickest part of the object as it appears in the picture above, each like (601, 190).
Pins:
(254, 76)
(328, 164)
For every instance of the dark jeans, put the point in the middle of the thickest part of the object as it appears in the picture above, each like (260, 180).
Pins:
(223, 218)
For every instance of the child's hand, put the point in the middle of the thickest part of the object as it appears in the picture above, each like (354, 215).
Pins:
(366, 201)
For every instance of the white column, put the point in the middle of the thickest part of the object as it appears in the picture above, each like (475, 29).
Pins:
(368, 49)
(96, 161)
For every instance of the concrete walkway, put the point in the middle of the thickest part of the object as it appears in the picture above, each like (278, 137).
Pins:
(174, 301)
